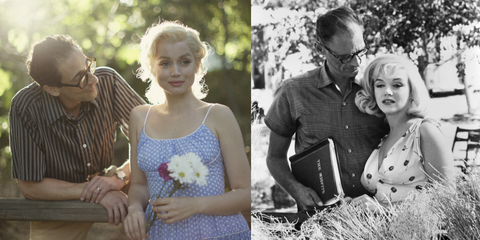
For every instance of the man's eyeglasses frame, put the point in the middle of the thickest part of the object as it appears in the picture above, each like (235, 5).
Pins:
(84, 79)
(345, 59)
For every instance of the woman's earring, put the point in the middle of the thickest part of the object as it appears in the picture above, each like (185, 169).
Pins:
(204, 86)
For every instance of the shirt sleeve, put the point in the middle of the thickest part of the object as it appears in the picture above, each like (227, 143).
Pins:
(28, 159)
(280, 117)
(125, 99)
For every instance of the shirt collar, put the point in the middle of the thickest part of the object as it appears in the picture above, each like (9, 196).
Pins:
(54, 109)
(324, 79)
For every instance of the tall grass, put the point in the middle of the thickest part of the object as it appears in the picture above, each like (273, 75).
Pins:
(437, 212)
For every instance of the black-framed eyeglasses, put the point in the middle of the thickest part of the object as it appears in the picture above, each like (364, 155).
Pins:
(348, 58)
(92, 64)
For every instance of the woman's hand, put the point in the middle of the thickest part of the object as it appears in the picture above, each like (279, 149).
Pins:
(174, 209)
(135, 224)
(96, 188)
(116, 203)
(365, 202)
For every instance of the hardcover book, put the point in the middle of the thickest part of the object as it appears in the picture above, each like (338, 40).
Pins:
(317, 167)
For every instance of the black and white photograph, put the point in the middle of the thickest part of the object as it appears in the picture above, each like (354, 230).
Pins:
(365, 119)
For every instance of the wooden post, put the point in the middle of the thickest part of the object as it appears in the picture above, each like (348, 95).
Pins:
(68, 211)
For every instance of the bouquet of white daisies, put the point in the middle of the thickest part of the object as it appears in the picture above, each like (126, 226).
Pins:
(178, 174)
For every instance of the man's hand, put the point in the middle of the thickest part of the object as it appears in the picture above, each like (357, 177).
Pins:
(98, 187)
(277, 164)
(307, 198)
(116, 203)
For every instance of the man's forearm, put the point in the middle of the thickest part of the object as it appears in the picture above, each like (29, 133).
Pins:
(282, 174)
(277, 163)
(51, 189)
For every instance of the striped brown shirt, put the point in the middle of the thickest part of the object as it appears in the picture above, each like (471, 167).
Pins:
(47, 142)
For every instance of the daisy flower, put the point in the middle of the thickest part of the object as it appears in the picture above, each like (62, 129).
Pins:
(200, 173)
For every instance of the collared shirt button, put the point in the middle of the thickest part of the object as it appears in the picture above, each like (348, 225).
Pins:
(353, 174)
(344, 104)
(353, 185)
(349, 150)
(84, 145)
(346, 126)
(89, 164)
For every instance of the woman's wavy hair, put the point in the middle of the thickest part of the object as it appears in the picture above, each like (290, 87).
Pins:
(388, 64)
(172, 31)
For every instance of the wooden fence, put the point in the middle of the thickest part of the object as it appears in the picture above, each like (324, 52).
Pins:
(19, 209)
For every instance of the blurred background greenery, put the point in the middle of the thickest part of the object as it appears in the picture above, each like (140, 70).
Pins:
(111, 30)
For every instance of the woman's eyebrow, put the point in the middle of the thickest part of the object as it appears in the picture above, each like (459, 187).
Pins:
(182, 56)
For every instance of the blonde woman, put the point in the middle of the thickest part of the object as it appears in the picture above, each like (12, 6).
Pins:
(415, 151)
(172, 58)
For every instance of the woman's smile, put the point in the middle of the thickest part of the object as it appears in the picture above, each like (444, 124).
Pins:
(176, 83)
(388, 101)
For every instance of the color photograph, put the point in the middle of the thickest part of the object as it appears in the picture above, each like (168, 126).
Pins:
(125, 119)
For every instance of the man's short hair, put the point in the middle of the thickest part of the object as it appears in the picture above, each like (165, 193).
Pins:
(336, 20)
(44, 57)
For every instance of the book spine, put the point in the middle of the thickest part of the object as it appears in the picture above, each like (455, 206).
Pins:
(335, 167)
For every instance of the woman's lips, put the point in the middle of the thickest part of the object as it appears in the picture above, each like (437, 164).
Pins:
(176, 83)
(388, 101)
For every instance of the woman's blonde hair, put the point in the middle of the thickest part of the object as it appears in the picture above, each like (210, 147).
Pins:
(172, 31)
(390, 63)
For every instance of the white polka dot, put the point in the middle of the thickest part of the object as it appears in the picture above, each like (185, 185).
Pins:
(151, 153)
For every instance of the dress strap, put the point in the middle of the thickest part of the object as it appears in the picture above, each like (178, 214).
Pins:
(146, 116)
(208, 112)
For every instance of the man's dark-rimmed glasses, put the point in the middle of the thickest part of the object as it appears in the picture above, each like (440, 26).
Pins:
(347, 58)
(92, 64)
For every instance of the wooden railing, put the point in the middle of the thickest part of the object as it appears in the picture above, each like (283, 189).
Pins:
(19, 209)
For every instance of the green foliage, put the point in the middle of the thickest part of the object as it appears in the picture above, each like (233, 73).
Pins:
(5, 84)
(111, 31)
(5, 155)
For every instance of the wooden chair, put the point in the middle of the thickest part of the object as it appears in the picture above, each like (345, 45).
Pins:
(472, 139)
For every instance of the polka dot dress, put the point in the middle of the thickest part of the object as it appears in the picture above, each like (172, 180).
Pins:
(401, 171)
(153, 152)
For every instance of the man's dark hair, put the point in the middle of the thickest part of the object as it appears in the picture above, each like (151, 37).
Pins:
(335, 20)
(44, 57)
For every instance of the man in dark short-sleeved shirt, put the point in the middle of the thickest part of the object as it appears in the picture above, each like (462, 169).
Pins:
(321, 104)
(62, 133)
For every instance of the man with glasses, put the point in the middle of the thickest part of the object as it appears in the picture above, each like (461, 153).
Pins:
(321, 104)
(62, 133)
